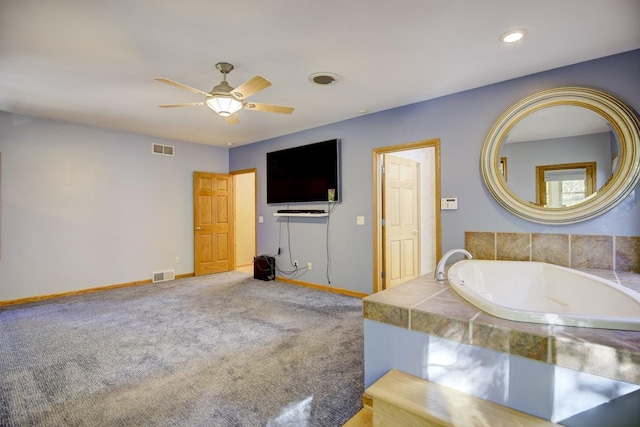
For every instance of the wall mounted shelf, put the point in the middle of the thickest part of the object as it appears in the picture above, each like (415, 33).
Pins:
(307, 214)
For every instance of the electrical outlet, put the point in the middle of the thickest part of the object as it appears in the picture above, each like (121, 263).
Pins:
(177, 260)
(309, 265)
(295, 263)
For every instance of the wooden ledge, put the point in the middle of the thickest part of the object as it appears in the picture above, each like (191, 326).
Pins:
(403, 399)
(363, 418)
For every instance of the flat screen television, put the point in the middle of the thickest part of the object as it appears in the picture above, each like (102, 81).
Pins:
(309, 173)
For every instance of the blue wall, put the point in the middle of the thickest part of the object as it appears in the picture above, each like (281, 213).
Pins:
(461, 121)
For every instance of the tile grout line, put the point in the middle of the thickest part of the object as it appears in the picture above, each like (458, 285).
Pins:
(473, 318)
(410, 308)
(429, 297)
(613, 255)
(570, 257)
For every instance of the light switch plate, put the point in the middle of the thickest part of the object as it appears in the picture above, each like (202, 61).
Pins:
(359, 220)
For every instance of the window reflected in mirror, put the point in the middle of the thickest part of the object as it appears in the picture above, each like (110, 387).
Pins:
(565, 185)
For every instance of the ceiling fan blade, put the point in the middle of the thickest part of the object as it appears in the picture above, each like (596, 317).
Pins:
(186, 104)
(269, 108)
(232, 119)
(181, 86)
(250, 87)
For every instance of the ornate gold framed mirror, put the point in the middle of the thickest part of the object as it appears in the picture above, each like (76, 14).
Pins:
(573, 154)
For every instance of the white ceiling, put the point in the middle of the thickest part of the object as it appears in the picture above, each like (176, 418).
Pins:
(94, 62)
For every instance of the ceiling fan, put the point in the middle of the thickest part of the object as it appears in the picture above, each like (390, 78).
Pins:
(226, 100)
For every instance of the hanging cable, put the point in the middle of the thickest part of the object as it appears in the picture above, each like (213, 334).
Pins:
(328, 246)
(296, 272)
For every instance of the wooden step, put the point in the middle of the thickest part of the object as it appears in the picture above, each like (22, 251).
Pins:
(400, 399)
(364, 418)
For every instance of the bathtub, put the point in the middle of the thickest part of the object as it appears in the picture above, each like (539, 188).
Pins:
(545, 293)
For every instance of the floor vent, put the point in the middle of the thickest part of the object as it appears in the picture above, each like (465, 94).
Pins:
(163, 150)
(163, 276)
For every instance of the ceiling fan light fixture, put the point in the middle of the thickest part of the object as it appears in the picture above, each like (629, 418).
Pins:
(224, 105)
(225, 100)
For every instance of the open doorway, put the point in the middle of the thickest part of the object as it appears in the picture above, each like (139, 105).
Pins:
(407, 236)
(244, 183)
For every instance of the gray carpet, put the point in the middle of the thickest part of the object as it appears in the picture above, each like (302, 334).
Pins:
(219, 350)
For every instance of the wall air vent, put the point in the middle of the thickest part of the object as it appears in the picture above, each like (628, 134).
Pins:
(163, 276)
(163, 150)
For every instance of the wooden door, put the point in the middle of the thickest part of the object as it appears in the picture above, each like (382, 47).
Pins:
(401, 214)
(213, 223)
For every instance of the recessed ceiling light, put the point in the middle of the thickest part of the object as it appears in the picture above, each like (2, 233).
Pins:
(512, 36)
(229, 144)
(363, 111)
(323, 79)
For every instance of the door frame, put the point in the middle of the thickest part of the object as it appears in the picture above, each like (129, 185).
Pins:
(378, 247)
(254, 171)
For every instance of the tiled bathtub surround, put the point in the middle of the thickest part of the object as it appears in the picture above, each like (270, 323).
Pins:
(619, 253)
(436, 309)
(550, 248)
(627, 254)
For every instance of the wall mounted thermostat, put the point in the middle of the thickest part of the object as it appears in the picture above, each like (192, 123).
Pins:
(449, 203)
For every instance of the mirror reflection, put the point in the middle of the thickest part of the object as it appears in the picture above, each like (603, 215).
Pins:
(559, 156)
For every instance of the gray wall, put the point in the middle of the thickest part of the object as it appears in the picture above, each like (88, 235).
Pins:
(461, 121)
(83, 207)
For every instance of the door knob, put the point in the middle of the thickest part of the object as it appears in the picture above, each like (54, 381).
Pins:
(198, 228)
(415, 231)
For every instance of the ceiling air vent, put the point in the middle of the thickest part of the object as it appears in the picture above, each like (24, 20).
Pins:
(163, 150)
(163, 276)
(323, 79)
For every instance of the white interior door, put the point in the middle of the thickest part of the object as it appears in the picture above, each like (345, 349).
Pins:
(401, 214)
